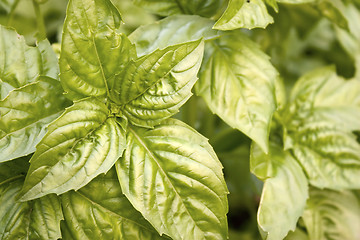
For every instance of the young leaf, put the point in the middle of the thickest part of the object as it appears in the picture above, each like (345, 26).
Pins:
(237, 82)
(324, 110)
(38, 219)
(244, 14)
(173, 177)
(112, 216)
(155, 86)
(25, 115)
(91, 50)
(284, 193)
(78, 146)
(332, 215)
(206, 8)
(171, 31)
(21, 64)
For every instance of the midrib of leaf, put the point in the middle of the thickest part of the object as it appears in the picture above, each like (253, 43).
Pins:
(160, 79)
(143, 144)
(96, 51)
(180, 7)
(43, 218)
(233, 77)
(113, 213)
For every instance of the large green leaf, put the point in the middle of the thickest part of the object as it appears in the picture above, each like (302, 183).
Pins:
(284, 193)
(237, 82)
(25, 115)
(78, 146)
(332, 215)
(92, 51)
(324, 109)
(244, 14)
(173, 177)
(101, 211)
(171, 31)
(38, 219)
(155, 86)
(206, 8)
(21, 64)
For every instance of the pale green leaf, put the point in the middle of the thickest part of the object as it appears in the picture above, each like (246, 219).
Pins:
(171, 31)
(332, 215)
(173, 177)
(101, 211)
(25, 115)
(92, 51)
(244, 14)
(298, 234)
(21, 64)
(82, 143)
(296, 1)
(284, 193)
(206, 8)
(334, 10)
(35, 220)
(324, 109)
(237, 82)
(155, 86)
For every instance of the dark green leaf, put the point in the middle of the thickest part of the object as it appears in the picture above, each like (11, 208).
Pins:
(92, 51)
(78, 146)
(25, 115)
(35, 220)
(173, 177)
(237, 82)
(101, 211)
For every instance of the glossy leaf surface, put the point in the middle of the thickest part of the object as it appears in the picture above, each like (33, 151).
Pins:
(324, 110)
(206, 8)
(171, 31)
(237, 82)
(173, 177)
(155, 86)
(21, 64)
(92, 51)
(244, 14)
(78, 146)
(39, 219)
(112, 216)
(284, 193)
(332, 215)
(25, 115)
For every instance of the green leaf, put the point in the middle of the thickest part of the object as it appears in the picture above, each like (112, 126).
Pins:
(284, 193)
(78, 146)
(21, 64)
(324, 109)
(244, 14)
(237, 82)
(112, 216)
(334, 10)
(17, 167)
(173, 177)
(38, 220)
(25, 115)
(171, 31)
(296, 1)
(92, 51)
(155, 86)
(8, 5)
(332, 215)
(206, 8)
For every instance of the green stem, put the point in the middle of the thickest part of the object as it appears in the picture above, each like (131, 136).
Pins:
(40, 21)
(11, 14)
(190, 111)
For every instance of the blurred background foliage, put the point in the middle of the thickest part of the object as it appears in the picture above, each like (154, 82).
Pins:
(303, 38)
